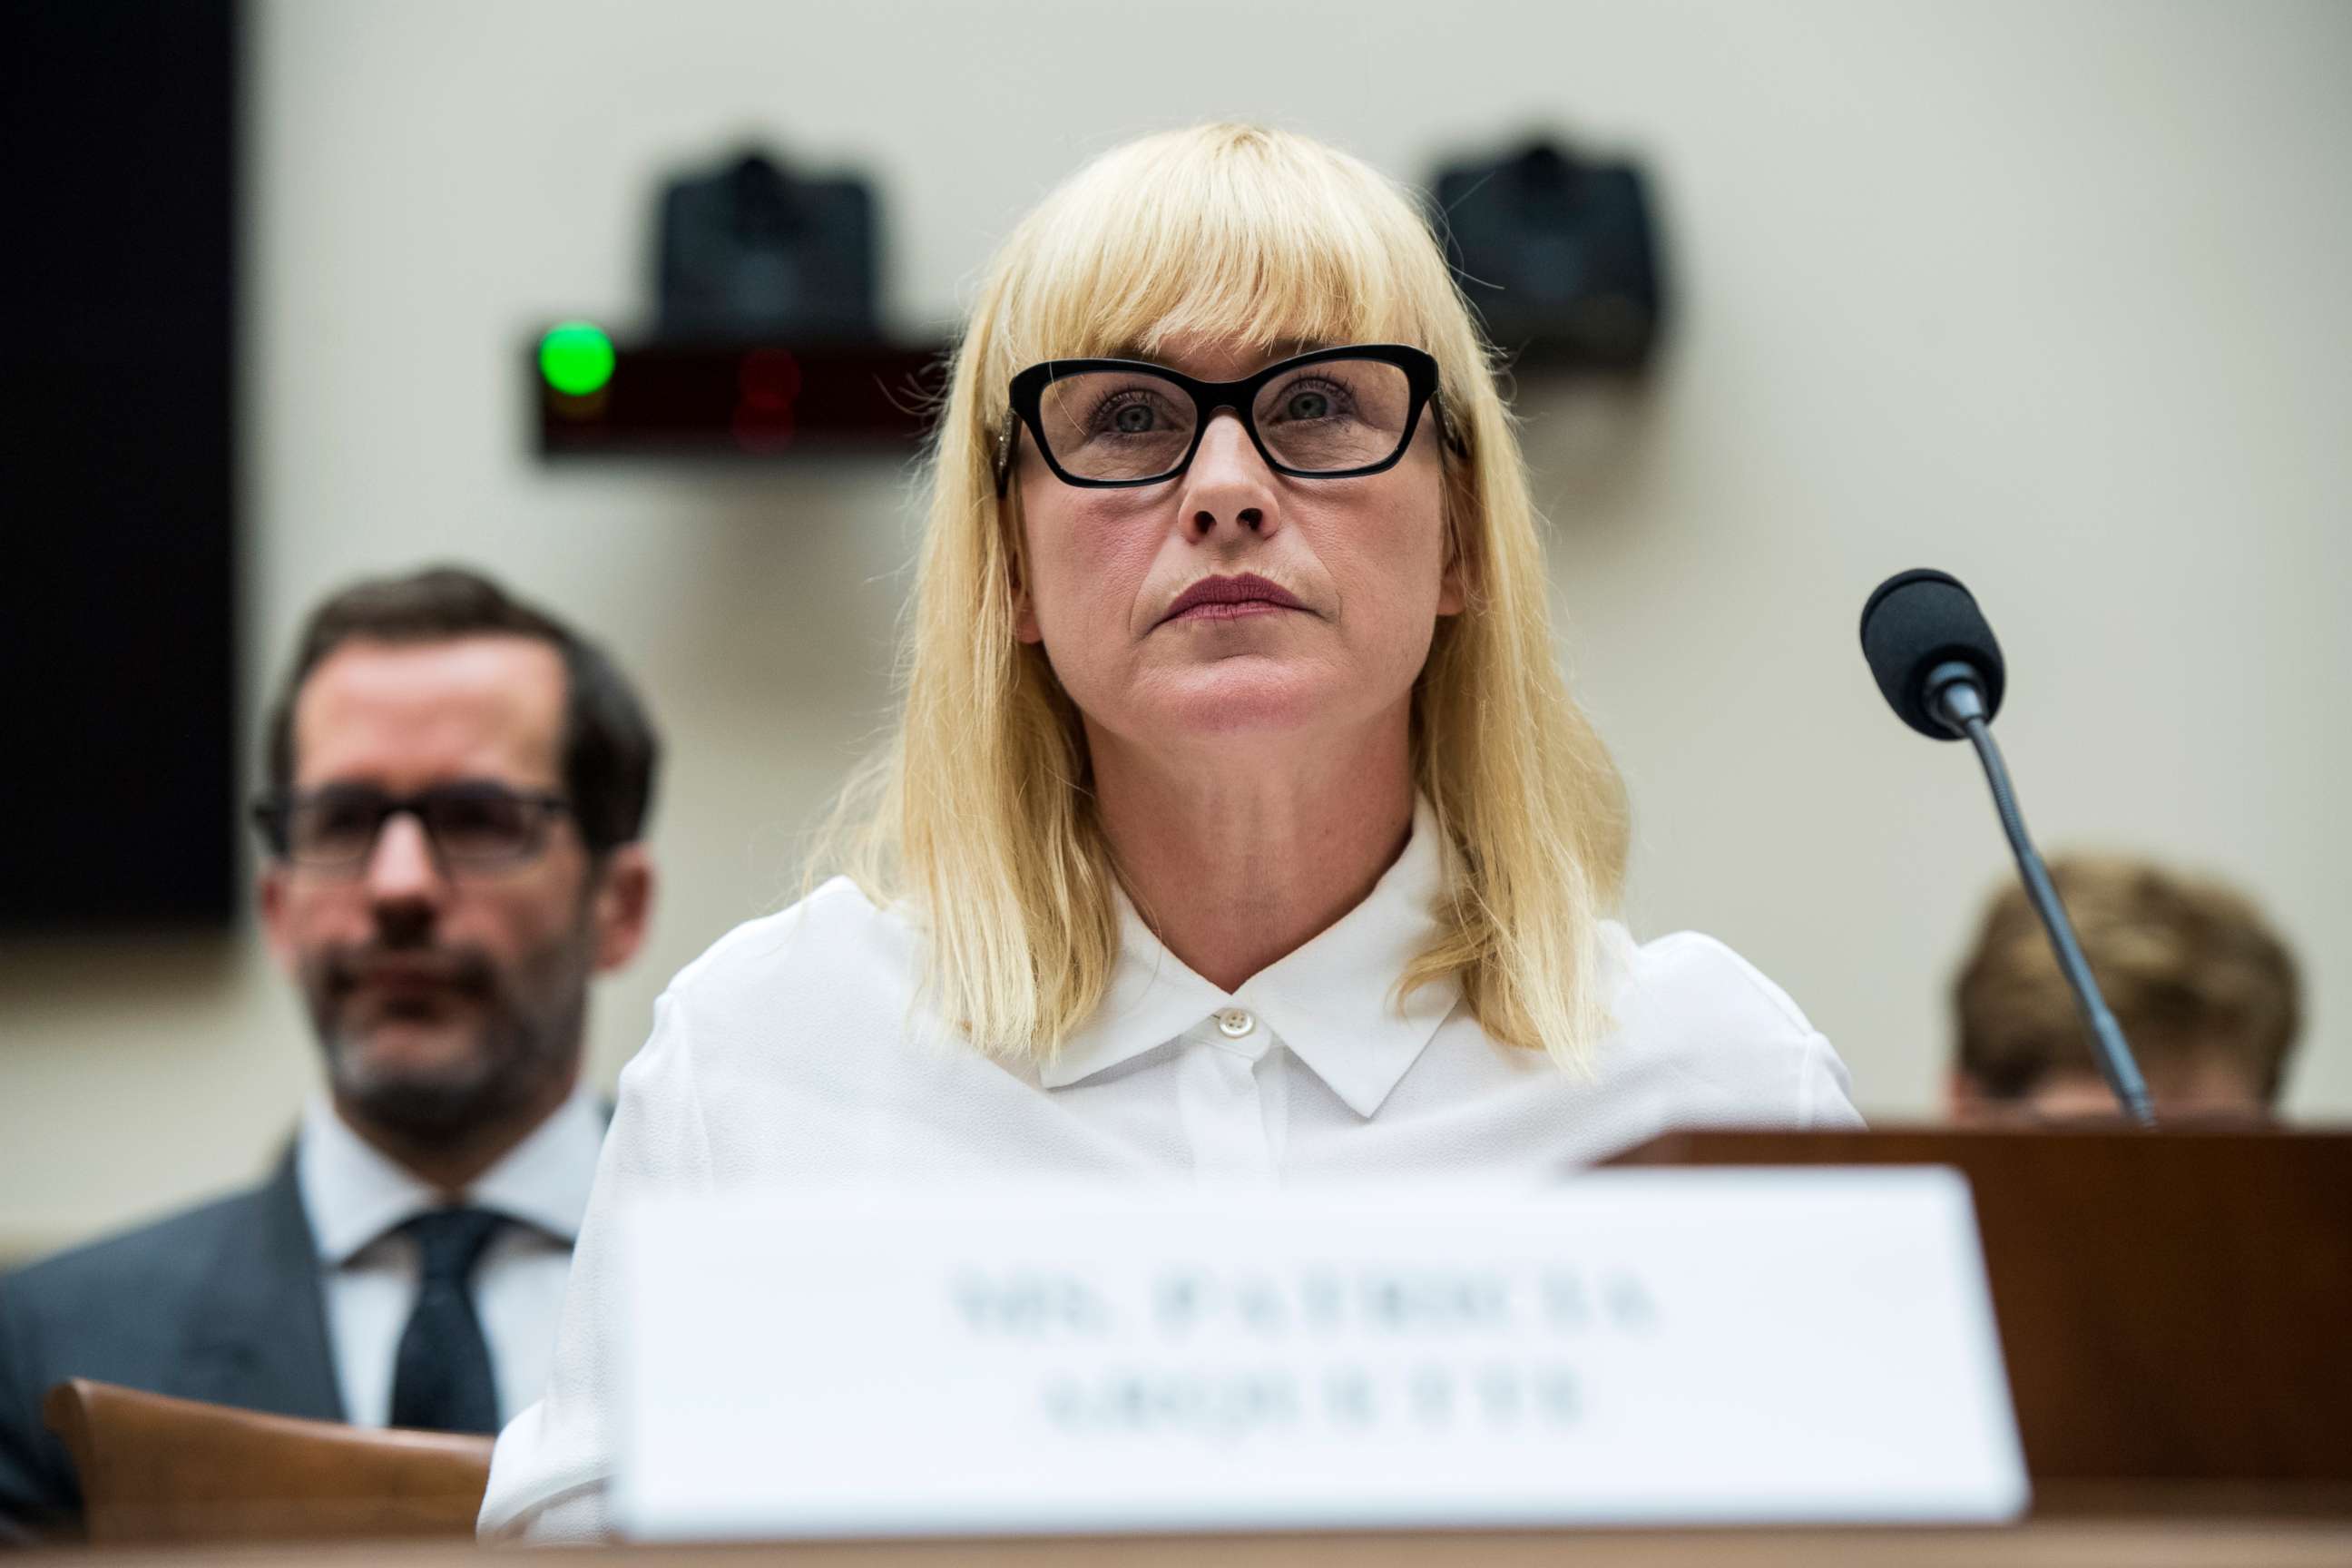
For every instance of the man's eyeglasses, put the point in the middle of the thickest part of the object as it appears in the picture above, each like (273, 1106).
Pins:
(1330, 414)
(472, 827)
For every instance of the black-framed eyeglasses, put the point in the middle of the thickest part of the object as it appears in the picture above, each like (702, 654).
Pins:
(1334, 414)
(471, 826)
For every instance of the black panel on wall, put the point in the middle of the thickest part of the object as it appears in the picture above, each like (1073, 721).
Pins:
(116, 638)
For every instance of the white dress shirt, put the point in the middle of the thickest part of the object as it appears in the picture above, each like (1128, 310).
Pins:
(357, 1198)
(796, 1051)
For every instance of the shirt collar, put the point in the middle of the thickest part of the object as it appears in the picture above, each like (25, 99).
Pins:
(354, 1193)
(1333, 1002)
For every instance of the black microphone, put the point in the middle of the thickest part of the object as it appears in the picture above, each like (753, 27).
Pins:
(1935, 658)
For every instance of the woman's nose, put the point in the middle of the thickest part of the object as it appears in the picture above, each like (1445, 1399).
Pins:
(1228, 487)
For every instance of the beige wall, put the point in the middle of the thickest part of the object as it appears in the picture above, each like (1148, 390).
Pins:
(2052, 295)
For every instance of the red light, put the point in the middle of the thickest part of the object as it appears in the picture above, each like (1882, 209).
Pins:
(766, 385)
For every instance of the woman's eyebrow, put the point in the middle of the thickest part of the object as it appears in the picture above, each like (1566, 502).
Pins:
(1291, 348)
(1275, 352)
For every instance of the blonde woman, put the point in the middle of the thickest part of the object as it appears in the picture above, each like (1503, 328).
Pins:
(1238, 823)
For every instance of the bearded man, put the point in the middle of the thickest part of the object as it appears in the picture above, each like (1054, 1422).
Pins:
(457, 786)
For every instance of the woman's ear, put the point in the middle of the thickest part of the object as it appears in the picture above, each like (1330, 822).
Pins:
(1024, 609)
(1453, 580)
(1016, 573)
(1450, 595)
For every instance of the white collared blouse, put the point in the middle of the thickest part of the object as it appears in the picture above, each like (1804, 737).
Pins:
(795, 1051)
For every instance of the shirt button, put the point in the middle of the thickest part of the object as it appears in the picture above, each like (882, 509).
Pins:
(1233, 1022)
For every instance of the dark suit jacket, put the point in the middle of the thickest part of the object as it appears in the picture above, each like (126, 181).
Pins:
(222, 1303)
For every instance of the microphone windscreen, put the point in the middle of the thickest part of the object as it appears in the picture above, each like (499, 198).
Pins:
(1917, 620)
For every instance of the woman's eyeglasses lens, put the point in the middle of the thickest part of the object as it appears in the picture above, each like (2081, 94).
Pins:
(1322, 418)
(337, 829)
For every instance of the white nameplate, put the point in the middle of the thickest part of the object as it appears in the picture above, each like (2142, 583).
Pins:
(1633, 1347)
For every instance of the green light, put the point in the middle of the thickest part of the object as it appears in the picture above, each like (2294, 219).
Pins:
(576, 358)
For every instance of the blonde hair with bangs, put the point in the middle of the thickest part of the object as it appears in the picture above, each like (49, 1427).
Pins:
(979, 815)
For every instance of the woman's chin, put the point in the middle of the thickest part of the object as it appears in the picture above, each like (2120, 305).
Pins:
(1241, 697)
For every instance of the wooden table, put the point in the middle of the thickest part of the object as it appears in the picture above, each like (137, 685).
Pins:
(2072, 1543)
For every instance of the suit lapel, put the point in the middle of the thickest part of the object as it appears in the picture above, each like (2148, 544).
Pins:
(256, 1332)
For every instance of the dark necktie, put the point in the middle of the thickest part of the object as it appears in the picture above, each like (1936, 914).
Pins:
(441, 1379)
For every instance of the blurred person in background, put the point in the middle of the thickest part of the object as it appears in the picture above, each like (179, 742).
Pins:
(1239, 824)
(457, 789)
(2205, 991)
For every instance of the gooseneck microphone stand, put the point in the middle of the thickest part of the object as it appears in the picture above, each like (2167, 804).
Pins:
(1955, 698)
